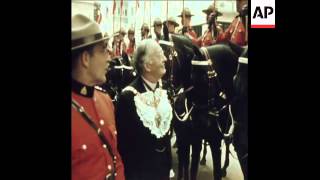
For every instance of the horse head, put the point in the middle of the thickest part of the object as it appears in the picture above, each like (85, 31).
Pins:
(199, 64)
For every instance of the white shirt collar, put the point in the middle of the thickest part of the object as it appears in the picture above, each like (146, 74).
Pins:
(152, 85)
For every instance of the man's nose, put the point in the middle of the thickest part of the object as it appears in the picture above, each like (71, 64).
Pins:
(108, 55)
(164, 58)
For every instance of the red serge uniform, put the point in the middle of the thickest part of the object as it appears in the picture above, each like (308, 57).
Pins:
(208, 40)
(116, 49)
(119, 48)
(90, 159)
(236, 32)
(131, 48)
(193, 36)
(98, 18)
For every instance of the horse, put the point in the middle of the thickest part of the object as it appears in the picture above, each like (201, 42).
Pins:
(207, 78)
(240, 112)
(180, 121)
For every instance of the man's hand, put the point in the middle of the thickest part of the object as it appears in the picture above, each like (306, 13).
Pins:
(212, 18)
(184, 29)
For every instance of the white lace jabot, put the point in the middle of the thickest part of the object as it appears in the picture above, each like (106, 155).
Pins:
(154, 110)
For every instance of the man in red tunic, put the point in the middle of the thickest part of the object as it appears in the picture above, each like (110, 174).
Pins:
(115, 44)
(213, 34)
(94, 137)
(187, 29)
(236, 32)
(119, 46)
(132, 42)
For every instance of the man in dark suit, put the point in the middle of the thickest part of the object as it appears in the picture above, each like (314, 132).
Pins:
(144, 118)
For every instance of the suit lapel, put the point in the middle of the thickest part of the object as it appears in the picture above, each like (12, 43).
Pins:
(138, 85)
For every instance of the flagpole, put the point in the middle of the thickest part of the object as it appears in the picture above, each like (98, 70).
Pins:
(120, 14)
(144, 9)
(150, 13)
(135, 19)
(183, 13)
(113, 13)
(167, 9)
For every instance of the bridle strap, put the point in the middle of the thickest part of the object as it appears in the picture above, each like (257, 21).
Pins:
(205, 52)
(243, 60)
(186, 114)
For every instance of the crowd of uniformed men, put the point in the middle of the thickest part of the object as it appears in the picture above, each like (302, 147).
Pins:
(236, 32)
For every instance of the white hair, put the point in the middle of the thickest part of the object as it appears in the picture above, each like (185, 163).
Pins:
(142, 53)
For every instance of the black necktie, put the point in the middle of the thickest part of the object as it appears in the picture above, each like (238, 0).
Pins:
(149, 88)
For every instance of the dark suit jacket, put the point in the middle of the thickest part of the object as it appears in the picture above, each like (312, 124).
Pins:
(137, 145)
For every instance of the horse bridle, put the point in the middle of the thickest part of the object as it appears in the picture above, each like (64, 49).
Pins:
(172, 52)
(211, 75)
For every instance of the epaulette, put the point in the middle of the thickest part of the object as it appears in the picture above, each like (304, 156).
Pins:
(100, 89)
(130, 88)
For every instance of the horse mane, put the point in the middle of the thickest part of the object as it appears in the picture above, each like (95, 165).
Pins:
(180, 41)
(186, 52)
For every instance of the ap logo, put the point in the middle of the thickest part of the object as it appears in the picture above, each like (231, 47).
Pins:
(263, 14)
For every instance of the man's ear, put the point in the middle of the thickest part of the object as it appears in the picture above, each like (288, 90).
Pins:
(147, 67)
(85, 58)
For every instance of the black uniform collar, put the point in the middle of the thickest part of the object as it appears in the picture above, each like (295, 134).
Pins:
(83, 90)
